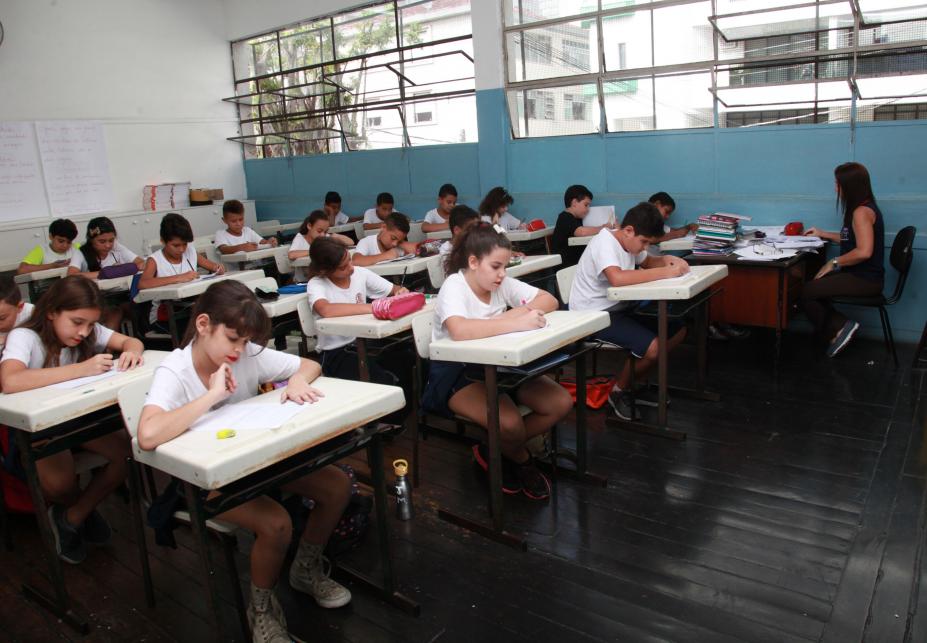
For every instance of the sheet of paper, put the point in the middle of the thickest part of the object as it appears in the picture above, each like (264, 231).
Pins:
(211, 275)
(395, 259)
(689, 276)
(81, 381)
(75, 165)
(768, 230)
(22, 192)
(772, 254)
(522, 333)
(249, 417)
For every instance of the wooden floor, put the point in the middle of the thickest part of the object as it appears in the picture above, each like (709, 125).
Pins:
(795, 511)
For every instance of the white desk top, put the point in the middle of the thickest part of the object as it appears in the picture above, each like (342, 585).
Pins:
(193, 288)
(253, 255)
(682, 243)
(273, 228)
(283, 305)
(698, 279)
(300, 262)
(209, 463)
(368, 326)
(563, 327)
(404, 266)
(524, 235)
(438, 234)
(118, 283)
(344, 227)
(39, 275)
(579, 241)
(47, 407)
(533, 263)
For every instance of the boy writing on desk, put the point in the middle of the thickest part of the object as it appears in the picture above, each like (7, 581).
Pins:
(576, 202)
(56, 253)
(610, 260)
(374, 217)
(439, 218)
(389, 243)
(238, 237)
(667, 205)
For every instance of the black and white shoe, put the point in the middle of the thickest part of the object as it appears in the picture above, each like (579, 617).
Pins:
(843, 338)
(620, 401)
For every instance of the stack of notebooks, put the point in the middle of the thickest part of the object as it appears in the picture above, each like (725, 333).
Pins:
(716, 234)
(166, 196)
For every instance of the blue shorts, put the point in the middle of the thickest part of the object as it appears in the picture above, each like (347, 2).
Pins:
(633, 331)
(444, 380)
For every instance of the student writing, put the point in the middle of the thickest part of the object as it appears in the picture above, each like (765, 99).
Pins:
(576, 201)
(315, 226)
(56, 253)
(374, 217)
(237, 237)
(389, 243)
(439, 217)
(494, 208)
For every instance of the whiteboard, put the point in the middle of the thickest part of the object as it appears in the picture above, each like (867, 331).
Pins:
(22, 193)
(76, 169)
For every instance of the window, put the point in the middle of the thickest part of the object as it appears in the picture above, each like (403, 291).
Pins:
(355, 80)
(667, 64)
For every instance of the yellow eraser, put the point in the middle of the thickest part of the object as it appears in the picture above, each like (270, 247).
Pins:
(225, 433)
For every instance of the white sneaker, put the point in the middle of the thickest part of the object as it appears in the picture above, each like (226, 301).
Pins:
(310, 575)
(843, 338)
(265, 617)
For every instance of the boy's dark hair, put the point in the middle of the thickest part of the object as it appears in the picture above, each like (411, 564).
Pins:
(233, 304)
(175, 226)
(460, 214)
(63, 228)
(308, 222)
(95, 227)
(495, 199)
(9, 291)
(577, 192)
(479, 241)
(332, 197)
(645, 219)
(662, 198)
(385, 197)
(325, 255)
(446, 189)
(232, 206)
(397, 221)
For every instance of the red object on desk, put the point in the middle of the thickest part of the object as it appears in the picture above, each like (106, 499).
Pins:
(535, 224)
(794, 229)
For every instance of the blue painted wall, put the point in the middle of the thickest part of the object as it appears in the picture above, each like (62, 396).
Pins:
(775, 174)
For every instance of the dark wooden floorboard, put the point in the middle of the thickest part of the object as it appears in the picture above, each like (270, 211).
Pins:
(795, 511)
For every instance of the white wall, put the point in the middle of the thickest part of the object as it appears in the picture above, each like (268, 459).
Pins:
(154, 71)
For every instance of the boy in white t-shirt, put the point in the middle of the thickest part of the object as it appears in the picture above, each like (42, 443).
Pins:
(56, 253)
(13, 310)
(462, 219)
(610, 260)
(439, 218)
(237, 237)
(374, 217)
(332, 209)
(389, 243)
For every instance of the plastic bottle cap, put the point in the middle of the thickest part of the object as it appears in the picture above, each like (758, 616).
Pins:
(400, 467)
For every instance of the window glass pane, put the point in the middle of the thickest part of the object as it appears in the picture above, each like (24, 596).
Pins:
(564, 49)
(555, 111)
(365, 31)
(519, 12)
(629, 105)
(683, 34)
(306, 44)
(427, 20)
(255, 57)
(683, 101)
(626, 39)
(443, 121)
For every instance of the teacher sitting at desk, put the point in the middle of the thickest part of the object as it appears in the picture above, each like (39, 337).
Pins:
(858, 271)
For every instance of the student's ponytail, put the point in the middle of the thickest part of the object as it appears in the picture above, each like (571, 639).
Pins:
(309, 221)
(478, 241)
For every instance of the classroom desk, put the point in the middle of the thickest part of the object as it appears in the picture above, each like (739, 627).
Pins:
(365, 327)
(438, 234)
(533, 263)
(267, 230)
(254, 461)
(698, 280)
(283, 305)
(340, 229)
(760, 293)
(579, 241)
(683, 243)
(513, 350)
(400, 267)
(116, 284)
(34, 279)
(35, 415)
(175, 292)
(241, 258)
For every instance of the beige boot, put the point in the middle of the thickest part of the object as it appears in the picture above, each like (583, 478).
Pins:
(265, 616)
(310, 574)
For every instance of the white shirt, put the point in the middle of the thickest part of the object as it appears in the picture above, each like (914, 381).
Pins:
(507, 221)
(118, 255)
(24, 315)
(370, 216)
(457, 299)
(365, 284)
(176, 383)
(590, 284)
(445, 248)
(164, 268)
(433, 216)
(299, 243)
(369, 246)
(25, 346)
(341, 218)
(226, 238)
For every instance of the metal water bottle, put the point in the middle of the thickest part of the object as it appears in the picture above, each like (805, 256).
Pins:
(403, 490)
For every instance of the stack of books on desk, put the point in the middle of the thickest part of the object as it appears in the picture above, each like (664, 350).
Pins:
(716, 235)
(166, 196)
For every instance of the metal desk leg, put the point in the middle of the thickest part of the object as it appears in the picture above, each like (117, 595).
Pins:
(59, 604)
(198, 524)
(416, 400)
(363, 367)
(779, 302)
(581, 446)
(701, 351)
(387, 589)
(135, 488)
(497, 530)
(172, 323)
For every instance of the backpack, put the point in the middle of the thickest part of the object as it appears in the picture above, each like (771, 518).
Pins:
(16, 495)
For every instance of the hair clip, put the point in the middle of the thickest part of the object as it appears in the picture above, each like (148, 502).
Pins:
(498, 228)
(93, 232)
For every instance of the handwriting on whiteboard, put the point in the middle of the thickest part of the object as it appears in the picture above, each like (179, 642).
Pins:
(22, 195)
(77, 179)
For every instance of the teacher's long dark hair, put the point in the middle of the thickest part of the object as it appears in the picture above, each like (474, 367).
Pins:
(855, 189)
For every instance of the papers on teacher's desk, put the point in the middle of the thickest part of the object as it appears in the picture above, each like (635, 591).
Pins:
(249, 417)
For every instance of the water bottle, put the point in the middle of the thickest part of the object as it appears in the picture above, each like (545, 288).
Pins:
(403, 490)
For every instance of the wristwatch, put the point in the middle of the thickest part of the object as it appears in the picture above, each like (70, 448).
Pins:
(835, 265)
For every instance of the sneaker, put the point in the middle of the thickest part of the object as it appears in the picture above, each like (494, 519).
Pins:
(648, 396)
(68, 542)
(621, 404)
(266, 626)
(715, 332)
(734, 332)
(534, 483)
(95, 530)
(511, 482)
(313, 578)
(843, 338)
